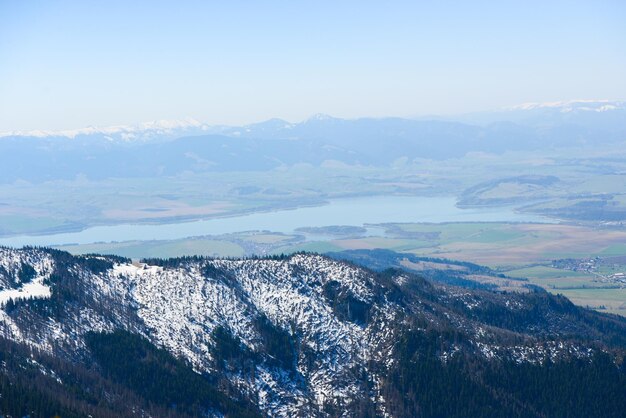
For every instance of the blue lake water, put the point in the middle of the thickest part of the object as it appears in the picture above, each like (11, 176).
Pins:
(349, 211)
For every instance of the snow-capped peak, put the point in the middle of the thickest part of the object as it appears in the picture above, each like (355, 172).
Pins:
(319, 117)
(145, 130)
(573, 105)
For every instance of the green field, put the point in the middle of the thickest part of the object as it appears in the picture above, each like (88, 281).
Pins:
(161, 249)
(542, 272)
(605, 300)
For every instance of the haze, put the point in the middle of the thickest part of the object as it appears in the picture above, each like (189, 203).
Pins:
(70, 64)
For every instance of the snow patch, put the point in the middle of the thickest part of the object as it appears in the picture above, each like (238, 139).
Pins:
(34, 289)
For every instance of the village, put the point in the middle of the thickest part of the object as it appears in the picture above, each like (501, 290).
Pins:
(609, 270)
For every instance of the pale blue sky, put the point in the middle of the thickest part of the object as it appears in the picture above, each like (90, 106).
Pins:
(69, 64)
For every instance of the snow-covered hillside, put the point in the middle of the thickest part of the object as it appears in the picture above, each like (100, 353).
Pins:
(342, 322)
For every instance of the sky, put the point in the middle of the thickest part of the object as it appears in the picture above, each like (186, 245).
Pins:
(71, 64)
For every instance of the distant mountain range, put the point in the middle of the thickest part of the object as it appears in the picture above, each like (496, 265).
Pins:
(170, 148)
(607, 115)
(577, 112)
(302, 335)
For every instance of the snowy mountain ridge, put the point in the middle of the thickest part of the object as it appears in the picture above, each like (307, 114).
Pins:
(340, 324)
(141, 132)
(165, 129)
(571, 105)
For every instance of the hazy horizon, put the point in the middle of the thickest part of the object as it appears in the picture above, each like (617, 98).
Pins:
(67, 65)
(188, 121)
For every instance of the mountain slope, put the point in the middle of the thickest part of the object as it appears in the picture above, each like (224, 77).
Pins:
(189, 147)
(301, 335)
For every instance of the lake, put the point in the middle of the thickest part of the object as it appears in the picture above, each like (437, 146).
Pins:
(347, 211)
